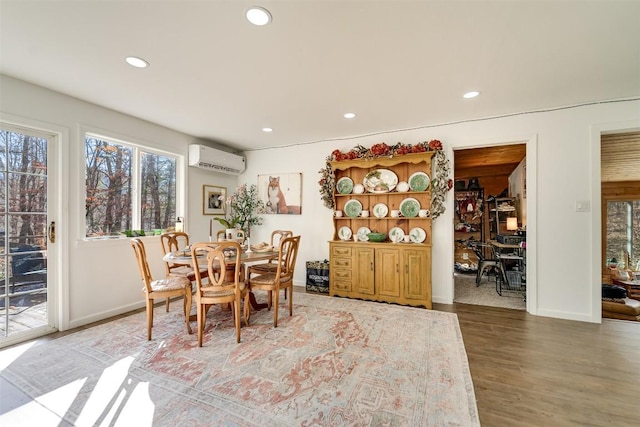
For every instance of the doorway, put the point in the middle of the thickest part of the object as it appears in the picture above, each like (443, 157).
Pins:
(489, 225)
(26, 233)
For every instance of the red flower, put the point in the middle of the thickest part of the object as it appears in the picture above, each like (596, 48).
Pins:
(418, 149)
(450, 184)
(434, 144)
(351, 155)
(379, 149)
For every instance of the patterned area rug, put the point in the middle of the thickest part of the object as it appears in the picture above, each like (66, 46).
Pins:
(335, 362)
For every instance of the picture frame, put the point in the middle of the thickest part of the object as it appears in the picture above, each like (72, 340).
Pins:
(281, 193)
(214, 200)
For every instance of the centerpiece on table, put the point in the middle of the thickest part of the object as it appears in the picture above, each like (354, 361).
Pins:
(243, 210)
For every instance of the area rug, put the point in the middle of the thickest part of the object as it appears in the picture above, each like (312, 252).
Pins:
(466, 292)
(335, 362)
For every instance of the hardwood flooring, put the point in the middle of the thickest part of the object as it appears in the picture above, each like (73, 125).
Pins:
(536, 371)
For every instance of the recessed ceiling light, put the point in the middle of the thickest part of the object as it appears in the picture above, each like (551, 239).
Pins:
(134, 61)
(267, 130)
(349, 115)
(258, 15)
(471, 94)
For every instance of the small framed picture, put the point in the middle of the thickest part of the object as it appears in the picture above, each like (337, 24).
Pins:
(214, 200)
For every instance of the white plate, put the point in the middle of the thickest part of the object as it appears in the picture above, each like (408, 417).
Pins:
(344, 233)
(380, 210)
(358, 189)
(363, 234)
(410, 207)
(417, 235)
(396, 234)
(344, 185)
(419, 181)
(380, 181)
(352, 208)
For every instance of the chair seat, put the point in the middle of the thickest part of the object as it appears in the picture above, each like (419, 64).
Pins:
(267, 267)
(210, 291)
(269, 279)
(170, 284)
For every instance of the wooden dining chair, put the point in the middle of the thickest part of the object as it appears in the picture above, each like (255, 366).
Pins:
(282, 278)
(176, 241)
(162, 288)
(222, 285)
(270, 266)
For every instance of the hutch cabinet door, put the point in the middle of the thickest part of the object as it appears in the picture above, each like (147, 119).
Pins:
(417, 283)
(387, 272)
(364, 271)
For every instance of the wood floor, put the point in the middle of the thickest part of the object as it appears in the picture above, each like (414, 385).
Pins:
(535, 371)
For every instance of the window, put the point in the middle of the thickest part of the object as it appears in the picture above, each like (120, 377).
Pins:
(128, 188)
(623, 233)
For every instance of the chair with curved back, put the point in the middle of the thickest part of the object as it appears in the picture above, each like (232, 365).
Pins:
(176, 241)
(217, 287)
(162, 288)
(282, 278)
(271, 265)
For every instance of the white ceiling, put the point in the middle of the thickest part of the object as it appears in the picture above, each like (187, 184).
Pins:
(397, 64)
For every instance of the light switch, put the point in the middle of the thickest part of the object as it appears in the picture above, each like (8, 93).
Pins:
(583, 205)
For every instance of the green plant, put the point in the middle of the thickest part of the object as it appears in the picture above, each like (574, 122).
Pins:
(243, 208)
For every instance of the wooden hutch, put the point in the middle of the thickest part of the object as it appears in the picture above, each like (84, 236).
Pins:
(382, 271)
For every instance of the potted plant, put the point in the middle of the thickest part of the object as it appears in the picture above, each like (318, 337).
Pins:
(243, 208)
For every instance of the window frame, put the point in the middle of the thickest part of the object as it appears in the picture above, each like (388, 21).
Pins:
(137, 146)
(615, 191)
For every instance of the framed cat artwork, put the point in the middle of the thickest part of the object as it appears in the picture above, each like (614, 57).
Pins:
(281, 193)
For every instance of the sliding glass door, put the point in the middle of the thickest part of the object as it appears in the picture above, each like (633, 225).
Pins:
(26, 233)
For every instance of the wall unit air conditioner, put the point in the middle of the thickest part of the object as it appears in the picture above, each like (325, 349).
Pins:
(201, 156)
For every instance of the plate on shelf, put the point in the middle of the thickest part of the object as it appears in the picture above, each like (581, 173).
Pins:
(353, 208)
(362, 234)
(419, 181)
(344, 185)
(417, 235)
(410, 207)
(344, 233)
(380, 210)
(380, 181)
(396, 234)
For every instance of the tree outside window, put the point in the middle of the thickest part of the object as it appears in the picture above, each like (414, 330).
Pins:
(127, 188)
(623, 234)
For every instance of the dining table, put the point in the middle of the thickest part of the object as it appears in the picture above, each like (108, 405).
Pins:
(183, 257)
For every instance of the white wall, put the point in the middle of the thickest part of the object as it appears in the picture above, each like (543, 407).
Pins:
(561, 281)
(103, 279)
(99, 279)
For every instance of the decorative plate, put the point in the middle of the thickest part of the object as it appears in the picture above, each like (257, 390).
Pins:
(380, 181)
(419, 181)
(344, 185)
(358, 189)
(380, 210)
(410, 207)
(353, 208)
(396, 234)
(362, 234)
(417, 235)
(344, 233)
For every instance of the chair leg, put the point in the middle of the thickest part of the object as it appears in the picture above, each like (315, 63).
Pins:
(187, 310)
(247, 309)
(269, 300)
(236, 317)
(276, 296)
(168, 299)
(200, 316)
(290, 301)
(149, 318)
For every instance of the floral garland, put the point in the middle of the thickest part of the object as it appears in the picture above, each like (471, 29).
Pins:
(440, 184)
